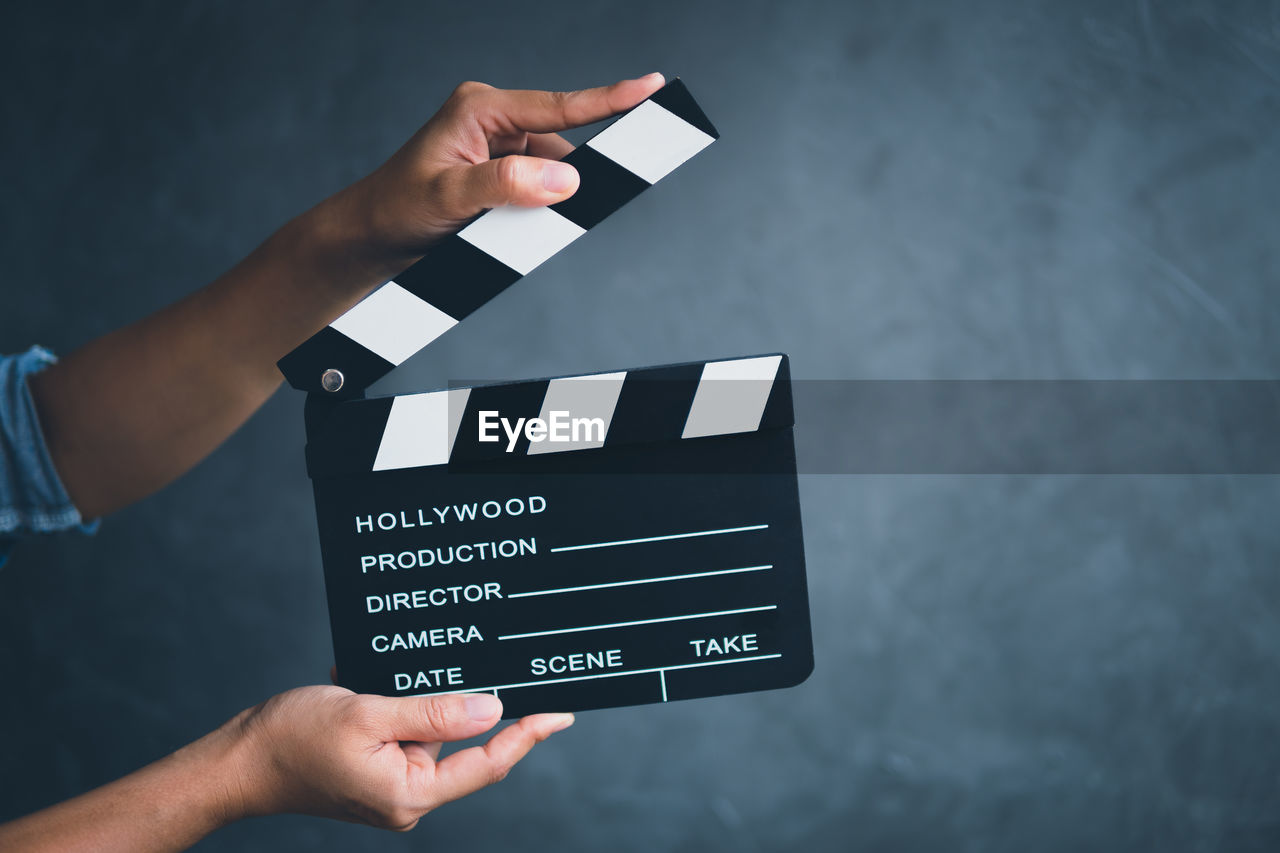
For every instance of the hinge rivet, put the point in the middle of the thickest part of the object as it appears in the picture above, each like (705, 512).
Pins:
(331, 380)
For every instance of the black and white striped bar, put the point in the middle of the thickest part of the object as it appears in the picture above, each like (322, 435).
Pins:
(673, 402)
(658, 557)
(486, 257)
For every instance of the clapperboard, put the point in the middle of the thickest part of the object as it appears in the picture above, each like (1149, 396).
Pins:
(569, 543)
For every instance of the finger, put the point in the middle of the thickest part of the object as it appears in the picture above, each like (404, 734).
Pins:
(469, 770)
(548, 146)
(333, 676)
(516, 179)
(543, 112)
(436, 718)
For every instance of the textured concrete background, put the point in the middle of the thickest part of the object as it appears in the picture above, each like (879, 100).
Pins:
(916, 190)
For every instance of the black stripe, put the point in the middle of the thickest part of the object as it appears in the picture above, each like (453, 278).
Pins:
(654, 404)
(512, 401)
(347, 441)
(329, 348)
(778, 412)
(457, 278)
(605, 187)
(676, 98)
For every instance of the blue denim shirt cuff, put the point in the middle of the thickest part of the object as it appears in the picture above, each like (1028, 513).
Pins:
(32, 497)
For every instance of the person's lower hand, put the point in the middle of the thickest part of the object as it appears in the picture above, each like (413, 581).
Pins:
(484, 148)
(329, 752)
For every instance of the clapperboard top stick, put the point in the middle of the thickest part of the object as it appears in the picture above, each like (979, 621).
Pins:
(605, 410)
(466, 270)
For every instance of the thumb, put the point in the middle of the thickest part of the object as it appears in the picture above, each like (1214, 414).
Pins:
(437, 718)
(514, 179)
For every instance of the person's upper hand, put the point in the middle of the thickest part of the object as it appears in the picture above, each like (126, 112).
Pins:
(329, 752)
(121, 422)
(485, 148)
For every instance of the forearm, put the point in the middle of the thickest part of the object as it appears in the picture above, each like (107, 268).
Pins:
(166, 806)
(134, 409)
(131, 411)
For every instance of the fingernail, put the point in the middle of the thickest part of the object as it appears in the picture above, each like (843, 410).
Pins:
(654, 76)
(482, 706)
(559, 177)
(564, 723)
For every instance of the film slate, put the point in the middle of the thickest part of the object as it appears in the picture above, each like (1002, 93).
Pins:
(572, 543)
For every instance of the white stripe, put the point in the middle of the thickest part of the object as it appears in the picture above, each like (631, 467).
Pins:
(731, 396)
(659, 538)
(521, 237)
(650, 141)
(641, 581)
(592, 397)
(661, 619)
(421, 429)
(393, 323)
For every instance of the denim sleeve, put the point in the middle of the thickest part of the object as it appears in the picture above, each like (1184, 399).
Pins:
(32, 498)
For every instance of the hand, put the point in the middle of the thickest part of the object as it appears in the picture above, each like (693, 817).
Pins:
(315, 750)
(328, 752)
(485, 148)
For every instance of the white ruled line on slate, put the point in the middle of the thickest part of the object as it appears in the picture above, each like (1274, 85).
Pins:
(660, 538)
(603, 675)
(637, 622)
(640, 581)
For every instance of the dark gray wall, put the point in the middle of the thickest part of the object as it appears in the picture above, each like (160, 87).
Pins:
(904, 190)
